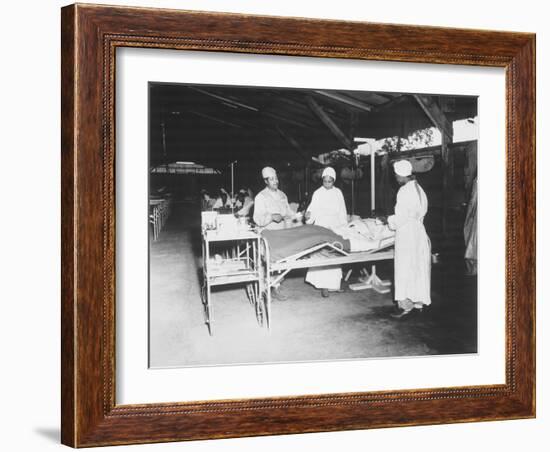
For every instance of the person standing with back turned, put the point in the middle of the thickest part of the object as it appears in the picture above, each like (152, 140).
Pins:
(412, 245)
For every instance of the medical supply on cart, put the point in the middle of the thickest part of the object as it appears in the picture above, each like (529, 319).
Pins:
(208, 220)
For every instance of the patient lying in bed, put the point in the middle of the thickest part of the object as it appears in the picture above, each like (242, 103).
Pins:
(359, 235)
(366, 234)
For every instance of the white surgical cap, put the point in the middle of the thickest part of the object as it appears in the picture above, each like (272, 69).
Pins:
(328, 171)
(402, 168)
(268, 172)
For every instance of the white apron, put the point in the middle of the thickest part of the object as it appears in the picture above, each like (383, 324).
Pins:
(328, 209)
(412, 245)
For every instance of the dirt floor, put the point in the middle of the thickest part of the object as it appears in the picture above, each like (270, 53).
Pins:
(306, 327)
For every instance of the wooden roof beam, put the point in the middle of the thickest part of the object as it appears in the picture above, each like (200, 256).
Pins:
(285, 119)
(293, 142)
(224, 99)
(436, 115)
(345, 100)
(332, 126)
(213, 118)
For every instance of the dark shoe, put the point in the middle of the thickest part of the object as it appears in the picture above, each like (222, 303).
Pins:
(324, 293)
(401, 313)
(395, 309)
(409, 314)
(278, 295)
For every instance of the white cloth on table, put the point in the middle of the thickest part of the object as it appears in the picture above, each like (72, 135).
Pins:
(412, 245)
(267, 203)
(327, 209)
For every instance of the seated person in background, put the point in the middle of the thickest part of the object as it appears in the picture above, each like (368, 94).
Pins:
(245, 202)
(223, 200)
(207, 202)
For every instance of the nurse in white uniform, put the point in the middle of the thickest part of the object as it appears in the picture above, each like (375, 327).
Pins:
(412, 244)
(327, 209)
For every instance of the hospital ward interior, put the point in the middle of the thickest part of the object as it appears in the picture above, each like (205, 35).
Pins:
(279, 225)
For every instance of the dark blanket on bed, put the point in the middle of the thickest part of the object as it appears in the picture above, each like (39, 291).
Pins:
(286, 242)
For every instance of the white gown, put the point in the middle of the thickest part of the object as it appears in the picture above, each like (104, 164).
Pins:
(412, 245)
(328, 209)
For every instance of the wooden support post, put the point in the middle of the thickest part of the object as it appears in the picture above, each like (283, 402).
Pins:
(448, 173)
(163, 135)
(307, 181)
(439, 120)
(385, 199)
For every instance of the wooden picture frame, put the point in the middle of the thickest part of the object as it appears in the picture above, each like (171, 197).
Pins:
(90, 36)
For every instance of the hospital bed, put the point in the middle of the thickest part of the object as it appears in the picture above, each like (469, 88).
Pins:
(319, 247)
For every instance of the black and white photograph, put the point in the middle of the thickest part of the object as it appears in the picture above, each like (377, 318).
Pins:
(296, 225)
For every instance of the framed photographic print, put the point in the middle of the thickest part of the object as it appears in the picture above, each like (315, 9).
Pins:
(281, 225)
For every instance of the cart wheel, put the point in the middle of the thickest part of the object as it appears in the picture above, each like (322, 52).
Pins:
(205, 311)
(203, 293)
(260, 310)
(249, 293)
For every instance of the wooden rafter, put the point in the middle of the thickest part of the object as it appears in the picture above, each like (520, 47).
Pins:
(286, 119)
(332, 126)
(215, 119)
(436, 115)
(293, 142)
(224, 99)
(345, 100)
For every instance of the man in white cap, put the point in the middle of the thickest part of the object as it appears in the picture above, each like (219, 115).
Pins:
(271, 204)
(327, 209)
(270, 211)
(412, 244)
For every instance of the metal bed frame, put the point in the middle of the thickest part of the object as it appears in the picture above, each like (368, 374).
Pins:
(274, 272)
(260, 274)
